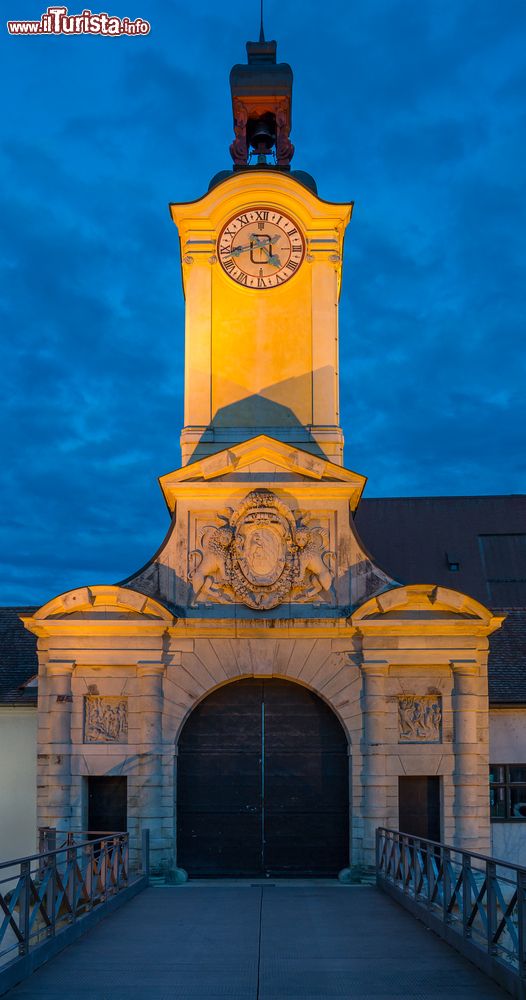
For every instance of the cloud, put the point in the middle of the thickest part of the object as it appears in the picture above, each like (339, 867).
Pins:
(416, 111)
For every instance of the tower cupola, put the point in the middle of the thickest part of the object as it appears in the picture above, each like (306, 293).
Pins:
(261, 92)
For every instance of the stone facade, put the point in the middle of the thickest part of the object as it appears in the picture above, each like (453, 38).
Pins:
(262, 573)
(407, 643)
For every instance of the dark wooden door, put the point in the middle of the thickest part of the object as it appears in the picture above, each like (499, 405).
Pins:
(419, 807)
(262, 784)
(107, 805)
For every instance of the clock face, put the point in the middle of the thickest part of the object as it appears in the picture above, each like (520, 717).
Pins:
(260, 248)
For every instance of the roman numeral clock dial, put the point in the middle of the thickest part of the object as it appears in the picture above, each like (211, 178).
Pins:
(260, 248)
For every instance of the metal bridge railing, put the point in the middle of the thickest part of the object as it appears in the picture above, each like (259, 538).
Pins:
(477, 903)
(43, 895)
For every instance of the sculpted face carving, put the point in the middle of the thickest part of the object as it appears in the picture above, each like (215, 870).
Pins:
(262, 557)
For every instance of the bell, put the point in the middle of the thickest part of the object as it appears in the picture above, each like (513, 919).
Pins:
(262, 133)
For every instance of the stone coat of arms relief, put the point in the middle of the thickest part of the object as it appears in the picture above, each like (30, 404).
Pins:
(262, 555)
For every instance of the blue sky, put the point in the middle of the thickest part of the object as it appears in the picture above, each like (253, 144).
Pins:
(416, 110)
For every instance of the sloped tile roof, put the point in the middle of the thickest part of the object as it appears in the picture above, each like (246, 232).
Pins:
(507, 660)
(18, 657)
(411, 538)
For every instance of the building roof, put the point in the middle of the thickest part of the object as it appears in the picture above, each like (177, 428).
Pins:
(18, 658)
(507, 660)
(473, 544)
(476, 545)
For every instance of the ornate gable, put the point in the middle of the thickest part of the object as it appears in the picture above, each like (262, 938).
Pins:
(263, 525)
(266, 459)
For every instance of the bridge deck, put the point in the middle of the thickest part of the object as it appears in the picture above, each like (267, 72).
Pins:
(243, 942)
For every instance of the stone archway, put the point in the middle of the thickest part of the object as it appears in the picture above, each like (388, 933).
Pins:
(263, 785)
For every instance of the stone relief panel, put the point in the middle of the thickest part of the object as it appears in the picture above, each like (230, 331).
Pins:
(419, 718)
(262, 555)
(105, 719)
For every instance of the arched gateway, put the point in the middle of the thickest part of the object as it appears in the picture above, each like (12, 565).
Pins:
(263, 786)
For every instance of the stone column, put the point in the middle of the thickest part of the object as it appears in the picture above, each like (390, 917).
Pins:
(373, 767)
(466, 777)
(151, 709)
(58, 684)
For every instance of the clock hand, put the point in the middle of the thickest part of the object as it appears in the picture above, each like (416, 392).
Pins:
(272, 257)
(262, 241)
(236, 251)
(261, 244)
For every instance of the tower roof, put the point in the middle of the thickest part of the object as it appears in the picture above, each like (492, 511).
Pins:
(261, 75)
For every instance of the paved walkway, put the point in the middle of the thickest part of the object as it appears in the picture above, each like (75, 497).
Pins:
(202, 942)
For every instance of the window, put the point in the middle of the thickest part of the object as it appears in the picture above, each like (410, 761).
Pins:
(452, 562)
(507, 791)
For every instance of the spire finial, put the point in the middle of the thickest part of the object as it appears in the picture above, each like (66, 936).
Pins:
(261, 28)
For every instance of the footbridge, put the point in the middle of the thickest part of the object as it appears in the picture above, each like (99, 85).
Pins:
(77, 923)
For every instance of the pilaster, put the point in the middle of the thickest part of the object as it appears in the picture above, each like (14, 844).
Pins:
(374, 780)
(467, 775)
(150, 675)
(58, 757)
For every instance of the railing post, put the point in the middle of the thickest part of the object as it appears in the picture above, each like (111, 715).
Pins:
(429, 873)
(416, 865)
(92, 877)
(491, 897)
(521, 919)
(405, 862)
(466, 894)
(145, 852)
(398, 857)
(446, 884)
(107, 869)
(25, 907)
(390, 867)
(377, 853)
(102, 869)
(125, 858)
(51, 892)
(71, 868)
(47, 841)
(42, 839)
(388, 842)
(118, 861)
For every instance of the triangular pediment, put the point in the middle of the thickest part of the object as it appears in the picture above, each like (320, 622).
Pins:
(263, 456)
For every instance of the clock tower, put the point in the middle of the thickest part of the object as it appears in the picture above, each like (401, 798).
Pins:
(261, 259)
(262, 695)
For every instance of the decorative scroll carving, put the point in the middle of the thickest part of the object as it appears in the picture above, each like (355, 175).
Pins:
(239, 148)
(284, 147)
(262, 555)
(105, 719)
(419, 718)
